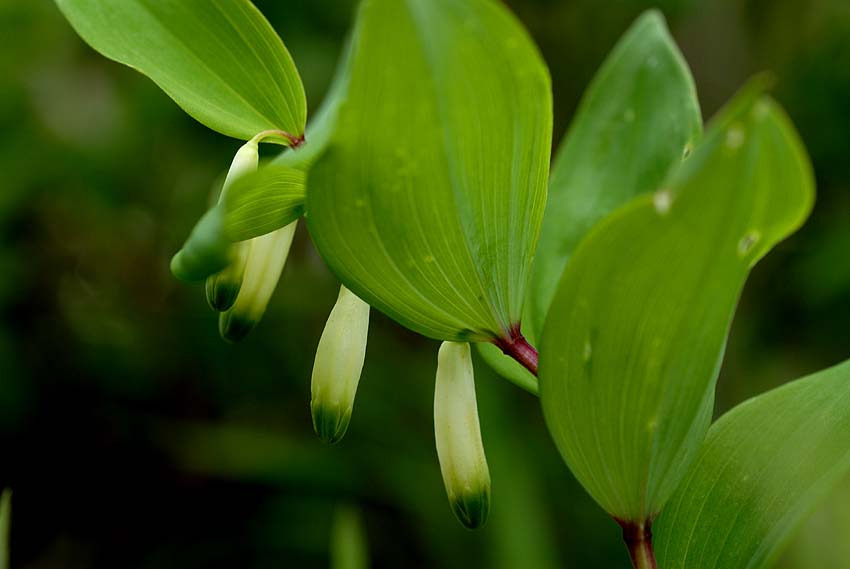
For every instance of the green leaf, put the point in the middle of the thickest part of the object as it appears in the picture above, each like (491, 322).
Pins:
(206, 251)
(636, 333)
(762, 470)
(220, 60)
(256, 204)
(323, 121)
(280, 186)
(262, 201)
(635, 122)
(428, 200)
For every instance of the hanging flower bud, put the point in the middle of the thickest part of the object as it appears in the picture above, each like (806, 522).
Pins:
(458, 434)
(339, 361)
(265, 260)
(223, 287)
(245, 161)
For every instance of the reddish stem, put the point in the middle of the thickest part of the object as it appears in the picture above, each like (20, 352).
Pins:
(517, 347)
(294, 141)
(638, 538)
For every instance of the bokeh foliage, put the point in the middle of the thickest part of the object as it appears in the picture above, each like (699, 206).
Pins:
(134, 438)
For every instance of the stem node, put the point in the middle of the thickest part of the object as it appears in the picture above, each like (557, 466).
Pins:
(518, 348)
(638, 538)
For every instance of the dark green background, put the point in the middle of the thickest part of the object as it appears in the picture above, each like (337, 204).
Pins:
(134, 437)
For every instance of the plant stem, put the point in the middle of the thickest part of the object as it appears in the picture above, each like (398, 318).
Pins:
(294, 141)
(638, 538)
(517, 347)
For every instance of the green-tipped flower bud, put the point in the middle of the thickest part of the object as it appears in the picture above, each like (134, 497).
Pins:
(223, 287)
(339, 361)
(266, 258)
(458, 434)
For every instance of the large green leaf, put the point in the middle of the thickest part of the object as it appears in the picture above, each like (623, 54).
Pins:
(428, 200)
(635, 122)
(220, 60)
(636, 333)
(763, 468)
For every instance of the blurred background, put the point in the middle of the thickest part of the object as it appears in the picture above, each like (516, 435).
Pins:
(133, 437)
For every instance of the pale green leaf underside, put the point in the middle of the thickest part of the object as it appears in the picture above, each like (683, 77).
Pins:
(428, 200)
(636, 333)
(763, 468)
(220, 60)
(634, 123)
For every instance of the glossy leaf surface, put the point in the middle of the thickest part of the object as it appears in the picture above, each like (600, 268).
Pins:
(428, 200)
(763, 468)
(635, 122)
(220, 60)
(636, 334)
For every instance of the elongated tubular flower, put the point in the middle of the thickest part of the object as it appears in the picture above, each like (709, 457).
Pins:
(265, 261)
(458, 434)
(223, 287)
(338, 364)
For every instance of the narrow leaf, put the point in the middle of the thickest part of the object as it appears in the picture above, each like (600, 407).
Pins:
(637, 119)
(428, 200)
(636, 333)
(220, 60)
(206, 251)
(263, 201)
(256, 204)
(763, 468)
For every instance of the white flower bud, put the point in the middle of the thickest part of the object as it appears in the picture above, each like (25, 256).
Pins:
(264, 264)
(339, 361)
(245, 161)
(458, 435)
(223, 287)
